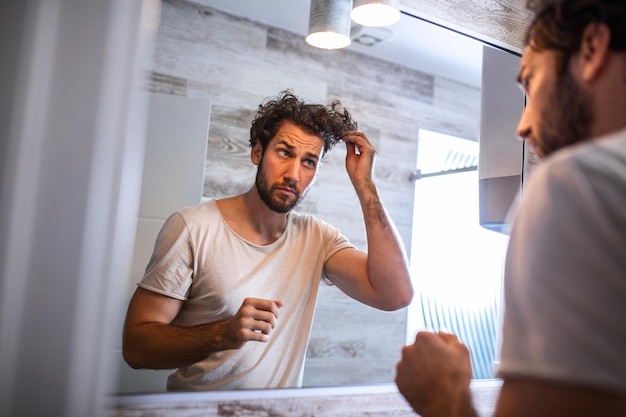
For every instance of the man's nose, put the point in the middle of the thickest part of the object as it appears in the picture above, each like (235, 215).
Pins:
(524, 127)
(293, 171)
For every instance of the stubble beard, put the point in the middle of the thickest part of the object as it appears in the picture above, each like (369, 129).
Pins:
(569, 118)
(281, 204)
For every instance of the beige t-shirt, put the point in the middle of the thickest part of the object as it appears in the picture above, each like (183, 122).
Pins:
(565, 278)
(199, 259)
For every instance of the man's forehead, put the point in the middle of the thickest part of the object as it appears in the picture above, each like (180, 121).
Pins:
(294, 136)
(529, 56)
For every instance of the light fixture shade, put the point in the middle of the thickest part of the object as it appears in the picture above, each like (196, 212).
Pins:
(375, 12)
(329, 24)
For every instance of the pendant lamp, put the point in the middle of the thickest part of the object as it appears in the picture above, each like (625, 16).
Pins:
(329, 24)
(375, 13)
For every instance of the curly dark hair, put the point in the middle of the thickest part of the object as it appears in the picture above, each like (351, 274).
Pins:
(330, 123)
(558, 25)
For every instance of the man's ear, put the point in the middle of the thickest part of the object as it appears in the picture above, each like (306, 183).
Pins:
(594, 50)
(256, 153)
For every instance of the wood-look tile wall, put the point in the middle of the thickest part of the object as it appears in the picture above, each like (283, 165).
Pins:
(237, 63)
(501, 22)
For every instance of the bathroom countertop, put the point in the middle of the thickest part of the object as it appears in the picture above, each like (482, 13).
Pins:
(351, 401)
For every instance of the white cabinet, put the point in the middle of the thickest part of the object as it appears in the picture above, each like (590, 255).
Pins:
(500, 152)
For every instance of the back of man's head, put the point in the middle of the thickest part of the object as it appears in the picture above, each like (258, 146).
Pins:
(558, 25)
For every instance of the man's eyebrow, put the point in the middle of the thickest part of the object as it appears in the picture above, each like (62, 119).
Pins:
(285, 143)
(290, 147)
(313, 155)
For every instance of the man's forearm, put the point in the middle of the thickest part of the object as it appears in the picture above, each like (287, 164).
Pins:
(164, 346)
(387, 262)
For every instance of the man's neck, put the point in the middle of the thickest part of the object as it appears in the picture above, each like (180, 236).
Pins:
(609, 98)
(252, 219)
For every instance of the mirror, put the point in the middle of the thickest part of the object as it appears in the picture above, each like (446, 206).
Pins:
(208, 52)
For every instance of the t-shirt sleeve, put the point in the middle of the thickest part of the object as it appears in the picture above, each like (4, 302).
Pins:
(565, 282)
(170, 269)
(334, 240)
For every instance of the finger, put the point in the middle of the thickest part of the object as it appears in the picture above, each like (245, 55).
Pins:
(263, 327)
(256, 320)
(258, 330)
(250, 335)
(266, 317)
(423, 334)
(276, 309)
(356, 133)
(449, 338)
(263, 305)
(359, 138)
(351, 148)
(352, 138)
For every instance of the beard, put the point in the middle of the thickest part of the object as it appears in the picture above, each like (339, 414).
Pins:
(568, 118)
(279, 203)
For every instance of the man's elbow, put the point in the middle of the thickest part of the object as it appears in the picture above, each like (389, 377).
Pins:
(132, 357)
(401, 300)
(406, 299)
(134, 351)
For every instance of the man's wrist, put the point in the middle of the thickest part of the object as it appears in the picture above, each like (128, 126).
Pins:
(458, 405)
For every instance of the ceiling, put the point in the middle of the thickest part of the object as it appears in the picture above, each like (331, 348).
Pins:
(412, 42)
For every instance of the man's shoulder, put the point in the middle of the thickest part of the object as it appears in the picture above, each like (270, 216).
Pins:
(598, 154)
(203, 207)
(306, 222)
(612, 144)
(301, 218)
(205, 212)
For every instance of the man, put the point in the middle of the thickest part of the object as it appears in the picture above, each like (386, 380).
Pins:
(229, 293)
(564, 336)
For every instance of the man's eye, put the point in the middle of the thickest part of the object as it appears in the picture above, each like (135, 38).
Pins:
(283, 152)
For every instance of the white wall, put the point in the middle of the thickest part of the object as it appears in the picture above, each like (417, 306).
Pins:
(176, 140)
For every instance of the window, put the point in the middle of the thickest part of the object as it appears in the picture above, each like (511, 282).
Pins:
(456, 265)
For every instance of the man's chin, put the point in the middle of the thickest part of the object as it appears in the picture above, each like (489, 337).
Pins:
(283, 206)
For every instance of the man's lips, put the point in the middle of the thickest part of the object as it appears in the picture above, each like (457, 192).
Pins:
(287, 190)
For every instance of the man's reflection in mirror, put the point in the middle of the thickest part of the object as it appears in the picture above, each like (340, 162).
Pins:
(229, 293)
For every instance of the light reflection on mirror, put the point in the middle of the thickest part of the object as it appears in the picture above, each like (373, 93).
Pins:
(233, 63)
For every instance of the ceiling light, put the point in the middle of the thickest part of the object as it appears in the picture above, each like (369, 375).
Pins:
(375, 12)
(329, 24)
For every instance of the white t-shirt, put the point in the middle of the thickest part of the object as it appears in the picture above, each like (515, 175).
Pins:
(565, 277)
(199, 259)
